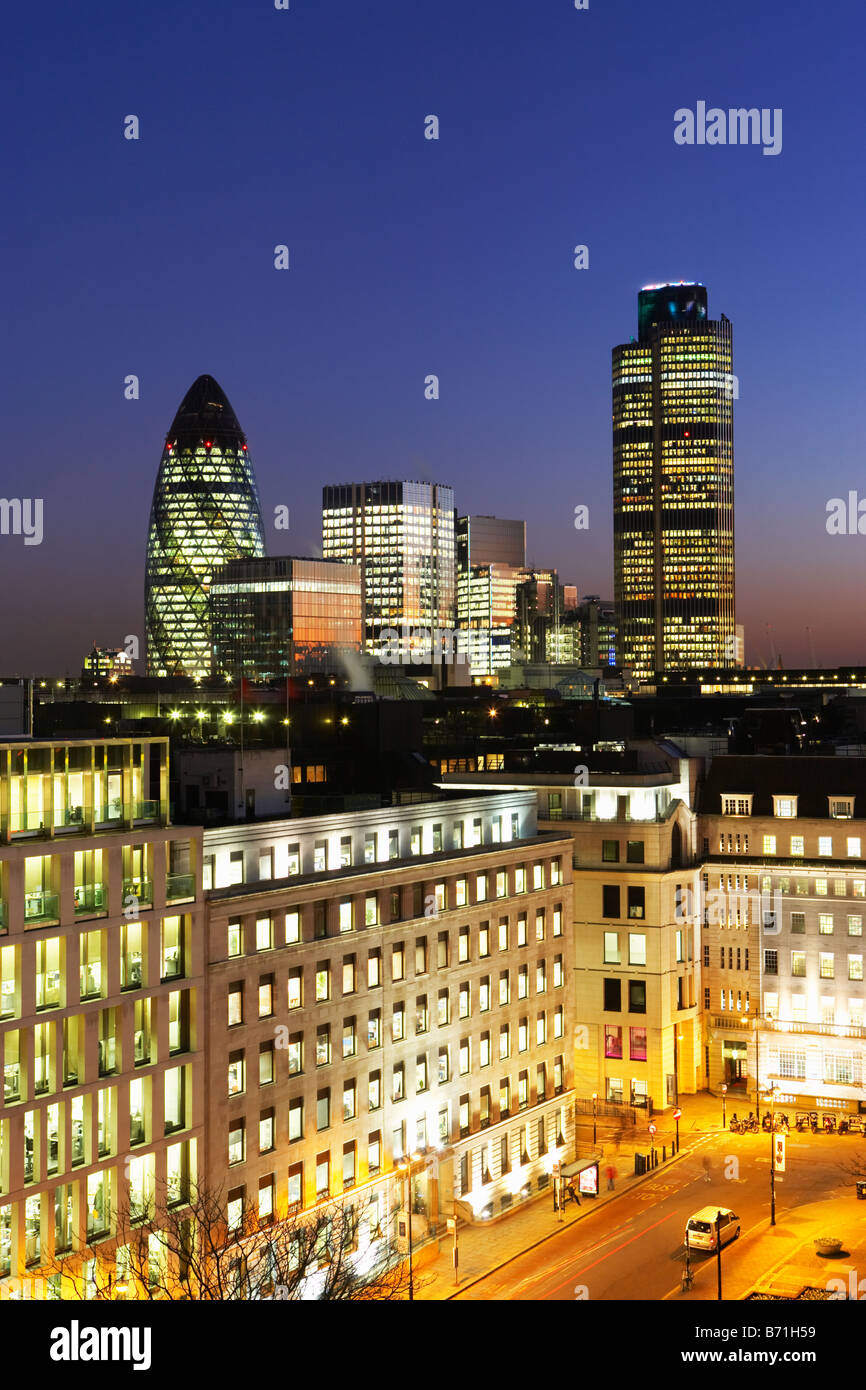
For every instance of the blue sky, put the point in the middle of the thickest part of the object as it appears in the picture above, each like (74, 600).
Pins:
(408, 257)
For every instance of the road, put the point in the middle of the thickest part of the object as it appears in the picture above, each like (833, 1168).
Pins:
(632, 1249)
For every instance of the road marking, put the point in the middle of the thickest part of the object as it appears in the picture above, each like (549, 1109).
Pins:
(579, 1273)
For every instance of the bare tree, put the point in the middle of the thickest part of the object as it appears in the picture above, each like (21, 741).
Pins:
(209, 1250)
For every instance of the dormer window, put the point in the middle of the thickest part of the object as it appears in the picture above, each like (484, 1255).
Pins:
(785, 806)
(841, 807)
(736, 805)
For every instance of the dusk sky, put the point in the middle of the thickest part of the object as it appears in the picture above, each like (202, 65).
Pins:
(409, 257)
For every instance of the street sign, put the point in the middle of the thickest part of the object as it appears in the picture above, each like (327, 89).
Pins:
(557, 1170)
(677, 1113)
(652, 1129)
(778, 1153)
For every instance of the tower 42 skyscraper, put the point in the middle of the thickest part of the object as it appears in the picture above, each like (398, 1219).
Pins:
(205, 511)
(673, 485)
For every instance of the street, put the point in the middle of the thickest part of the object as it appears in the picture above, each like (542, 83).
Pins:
(633, 1247)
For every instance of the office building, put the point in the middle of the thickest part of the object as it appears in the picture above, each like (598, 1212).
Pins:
(401, 534)
(783, 904)
(384, 983)
(673, 482)
(205, 512)
(101, 975)
(278, 617)
(490, 540)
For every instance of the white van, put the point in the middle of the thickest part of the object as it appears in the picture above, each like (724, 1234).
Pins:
(701, 1228)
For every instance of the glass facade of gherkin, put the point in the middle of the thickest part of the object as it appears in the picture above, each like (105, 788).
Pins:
(205, 512)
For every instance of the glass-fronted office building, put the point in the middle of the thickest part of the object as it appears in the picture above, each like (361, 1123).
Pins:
(205, 512)
(673, 474)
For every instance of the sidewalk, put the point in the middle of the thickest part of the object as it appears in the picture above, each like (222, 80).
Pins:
(483, 1248)
(785, 1262)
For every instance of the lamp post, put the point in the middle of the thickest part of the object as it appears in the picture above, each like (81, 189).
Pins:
(724, 1095)
(408, 1167)
(594, 1118)
(719, 1253)
(771, 1096)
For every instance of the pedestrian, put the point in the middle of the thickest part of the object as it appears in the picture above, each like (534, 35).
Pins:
(707, 1174)
(572, 1191)
(611, 1174)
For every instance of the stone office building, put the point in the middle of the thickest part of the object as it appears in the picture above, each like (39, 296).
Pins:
(383, 984)
(101, 974)
(784, 899)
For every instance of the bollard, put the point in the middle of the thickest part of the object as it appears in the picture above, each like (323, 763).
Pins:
(664, 1152)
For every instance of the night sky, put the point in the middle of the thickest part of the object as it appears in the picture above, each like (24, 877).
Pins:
(410, 257)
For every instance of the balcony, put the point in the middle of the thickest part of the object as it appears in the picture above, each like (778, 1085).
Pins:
(90, 899)
(141, 810)
(29, 822)
(140, 888)
(41, 907)
(71, 817)
(179, 887)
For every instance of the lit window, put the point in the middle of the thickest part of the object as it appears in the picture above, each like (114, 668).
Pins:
(825, 844)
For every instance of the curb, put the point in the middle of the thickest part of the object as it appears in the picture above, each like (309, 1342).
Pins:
(567, 1226)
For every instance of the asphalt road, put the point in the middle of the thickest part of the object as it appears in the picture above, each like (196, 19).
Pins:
(632, 1248)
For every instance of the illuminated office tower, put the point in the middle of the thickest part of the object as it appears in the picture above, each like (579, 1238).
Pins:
(673, 485)
(205, 512)
(402, 536)
(490, 540)
(284, 615)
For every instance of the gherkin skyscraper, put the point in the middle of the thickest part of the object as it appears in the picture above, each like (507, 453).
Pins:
(205, 511)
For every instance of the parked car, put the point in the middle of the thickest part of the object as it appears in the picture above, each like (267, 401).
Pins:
(702, 1227)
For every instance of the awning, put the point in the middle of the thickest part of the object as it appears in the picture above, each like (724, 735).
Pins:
(570, 1170)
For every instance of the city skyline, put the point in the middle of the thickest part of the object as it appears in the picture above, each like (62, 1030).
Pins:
(410, 257)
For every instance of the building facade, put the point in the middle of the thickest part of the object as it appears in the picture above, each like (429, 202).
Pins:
(402, 536)
(386, 984)
(784, 901)
(673, 482)
(638, 1018)
(490, 540)
(205, 512)
(277, 617)
(101, 974)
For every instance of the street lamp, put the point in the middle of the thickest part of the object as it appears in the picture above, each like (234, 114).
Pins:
(724, 1095)
(771, 1096)
(408, 1167)
(594, 1118)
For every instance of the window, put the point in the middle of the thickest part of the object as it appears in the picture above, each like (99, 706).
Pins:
(855, 967)
(266, 996)
(266, 1131)
(610, 900)
(502, 884)
(522, 982)
(611, 948)
(520, 878)
(636, 997)
(323, 1045)
(484, 940)
(637, 948)
(841, 807)
(323, 1109)
(613, 996)
(769, 844)
(612, 1040)
(235, 939)
(855, 924)
(798, 922)
(736, 805)
(398, 1023)
(825, 845)
(521, 931)
(348, 974)
(344, 914)
(785, 806)
(463, 945)
(610, 851)
(771, 962)
(825, 924)
(637, 1044)
(295, 988)
(461, 892)
(236, 1074)
(798, 844)
(323, 982)
(826, 965)
(374, 969)
(370, 849)
(235, 1004)
(798, 963)
(634, 852)
(264, 934)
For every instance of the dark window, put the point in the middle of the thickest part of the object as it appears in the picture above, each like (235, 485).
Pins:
(636, 897)
(613, 996)
(771, 962)
(636, 997)
(634, 852)
(610, 851)
(610, 900)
